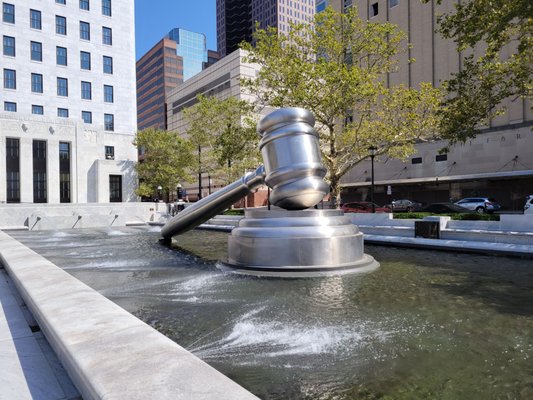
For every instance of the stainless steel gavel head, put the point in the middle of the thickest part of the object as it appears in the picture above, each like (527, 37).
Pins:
(292, 159)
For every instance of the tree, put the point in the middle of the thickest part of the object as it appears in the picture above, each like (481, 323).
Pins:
(476, 92)
(165, 163)
(337, 70)
(225, 130)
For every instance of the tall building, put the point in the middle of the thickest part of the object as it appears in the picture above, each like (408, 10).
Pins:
(497, 163)
(236, 19)
(180, 55)
(158, 71)
(68, 112)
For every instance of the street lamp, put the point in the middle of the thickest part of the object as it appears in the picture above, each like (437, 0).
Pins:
(199, 172)
(159, 189)
(372, 151)
(209, 182)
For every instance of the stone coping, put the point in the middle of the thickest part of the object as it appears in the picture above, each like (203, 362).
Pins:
(107, 352)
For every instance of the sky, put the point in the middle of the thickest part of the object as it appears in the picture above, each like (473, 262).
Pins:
(155, 18)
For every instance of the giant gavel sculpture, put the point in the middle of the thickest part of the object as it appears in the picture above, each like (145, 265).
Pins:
(293, 240)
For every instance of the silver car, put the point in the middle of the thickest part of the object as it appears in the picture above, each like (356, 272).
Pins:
(528, 207)
(479, 204)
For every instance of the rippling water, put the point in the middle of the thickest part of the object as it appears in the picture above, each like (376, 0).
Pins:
(426, 325)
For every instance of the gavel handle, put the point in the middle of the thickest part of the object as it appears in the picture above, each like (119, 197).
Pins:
(213, 204)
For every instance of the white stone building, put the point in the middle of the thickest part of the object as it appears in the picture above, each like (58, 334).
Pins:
(67, 101)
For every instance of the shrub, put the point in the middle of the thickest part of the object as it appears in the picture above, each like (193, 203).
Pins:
(234, 211)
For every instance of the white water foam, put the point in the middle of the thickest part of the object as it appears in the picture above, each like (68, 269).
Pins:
(109, 264)
(118, 233)
(256, 337)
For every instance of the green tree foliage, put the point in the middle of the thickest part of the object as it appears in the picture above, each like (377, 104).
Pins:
(166, 160)
(225, 130)
(337, 70)
(476, 92)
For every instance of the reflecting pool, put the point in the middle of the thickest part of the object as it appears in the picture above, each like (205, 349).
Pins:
(426, 325)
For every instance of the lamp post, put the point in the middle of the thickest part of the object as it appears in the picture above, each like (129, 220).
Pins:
(372, 151)
(209, 182)
(199, 172)
(159, 189)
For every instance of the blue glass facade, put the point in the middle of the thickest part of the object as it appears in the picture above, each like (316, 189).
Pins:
(191, 46)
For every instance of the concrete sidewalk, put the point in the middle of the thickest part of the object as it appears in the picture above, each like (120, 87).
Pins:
(29, 368)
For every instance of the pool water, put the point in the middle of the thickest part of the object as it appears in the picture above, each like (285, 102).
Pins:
(425, 325)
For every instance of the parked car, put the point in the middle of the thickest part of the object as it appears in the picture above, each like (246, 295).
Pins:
(479, 204)
(363, 207)
(446, 208)
(406, 205)
(528, 207)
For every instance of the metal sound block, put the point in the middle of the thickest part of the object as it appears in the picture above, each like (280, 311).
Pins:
(303, 243)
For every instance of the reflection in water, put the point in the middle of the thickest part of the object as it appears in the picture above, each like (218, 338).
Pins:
(425, 325)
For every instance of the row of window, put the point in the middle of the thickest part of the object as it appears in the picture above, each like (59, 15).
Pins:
(8, 12)
(40, 172)
(36, 54)
(10, 82)
(438, 158)
(374, 7)
(86, 116)
(61, 26)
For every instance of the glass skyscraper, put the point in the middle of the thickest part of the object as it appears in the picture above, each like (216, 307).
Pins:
(191, 46)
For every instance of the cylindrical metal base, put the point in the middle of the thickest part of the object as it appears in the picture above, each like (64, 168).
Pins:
(296, 244)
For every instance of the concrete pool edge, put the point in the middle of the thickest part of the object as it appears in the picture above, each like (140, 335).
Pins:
(107, 352)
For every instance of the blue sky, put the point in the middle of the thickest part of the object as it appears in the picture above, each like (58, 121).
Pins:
(154, 18)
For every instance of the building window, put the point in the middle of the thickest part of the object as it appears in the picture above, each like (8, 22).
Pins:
(374, 10)
(108, 94)
(9, 106)
(107, 36)
(61, 1)
(12, 170)
(36, 83)
(64, 172)
(109, 122)
(35, 19)
(115, 188)
(36, 51)
(62, 87)
(86, 92)
(85, 60)
(39, 171)
(109, 152)
(62, 112)
(106, 7)
(10, 79)
(87, 117)
(84, 5)
(8, 13)
(441, 157)
(36, 109)
(108, 65)
(61, 25)
(416, 160)
(61, 55)
(9, 46)
(85, 30)
(393, 3)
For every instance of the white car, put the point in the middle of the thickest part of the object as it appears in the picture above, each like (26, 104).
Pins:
(479, 204)
(528, 207)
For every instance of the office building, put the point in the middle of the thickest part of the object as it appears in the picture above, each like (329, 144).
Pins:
(497, 163)
(68, 113)
(236, 19)
(180, 55)
(221, 80)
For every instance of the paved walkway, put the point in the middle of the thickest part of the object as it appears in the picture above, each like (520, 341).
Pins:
(29, 369)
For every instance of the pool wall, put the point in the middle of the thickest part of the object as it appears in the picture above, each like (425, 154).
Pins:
(107, 352)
